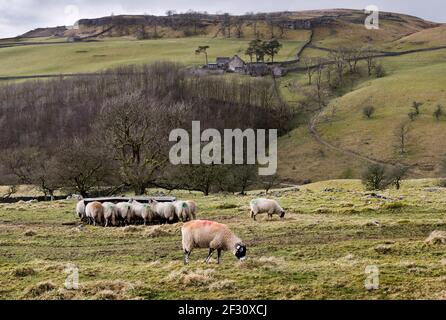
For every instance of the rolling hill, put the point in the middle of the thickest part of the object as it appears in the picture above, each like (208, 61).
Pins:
(341, 141)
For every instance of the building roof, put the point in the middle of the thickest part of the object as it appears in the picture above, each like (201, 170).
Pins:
(222, 59)
(236, 57)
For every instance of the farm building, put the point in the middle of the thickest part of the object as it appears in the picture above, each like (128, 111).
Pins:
(257, 69)
(236, 64)
(222, 62)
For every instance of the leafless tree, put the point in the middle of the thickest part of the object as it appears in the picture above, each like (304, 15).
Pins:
(33, 166)
(310, 70)
(338, 58)
(136, 139)
(239, 23)
(402, 132)
(369, 56)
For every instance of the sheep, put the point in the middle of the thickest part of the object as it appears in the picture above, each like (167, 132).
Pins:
(80, 210)
(110, 213)
(125, 213)
(271, 207)
(212, 235)
(192, 208)
(142, 211)
(182, 211)
(94, 212)
(164, 211)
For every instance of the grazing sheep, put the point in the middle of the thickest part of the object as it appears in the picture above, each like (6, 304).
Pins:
(80, 210)
(193, 209)
(271, 207)
(125, 213)
(94, 213)
(212, 235)
(142, 211)
(110, 213)
(182, 211)
(165, 212)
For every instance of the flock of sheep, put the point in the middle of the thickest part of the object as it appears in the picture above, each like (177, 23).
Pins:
(109, 214)
(195, 233)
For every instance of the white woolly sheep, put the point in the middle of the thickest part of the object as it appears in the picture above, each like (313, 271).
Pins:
(192, 209)
(125, 213)
(80, 210)
(182, 211)
(270, 207)
(142, 211)
(94, 213)
(110, 213)
(215, 236)
(164, 211)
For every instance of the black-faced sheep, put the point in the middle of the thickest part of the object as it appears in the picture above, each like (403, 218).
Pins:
(215, 236)
(81, 210)
(142, 211)
(182, 211)
(125, 213)
(192, 209)
(165, 212)
(94, 213)
(270, 207)
(110, 214)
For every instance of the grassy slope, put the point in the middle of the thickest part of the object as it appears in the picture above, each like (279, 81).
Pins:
(94, 56)
(320, 251)
(415, 77)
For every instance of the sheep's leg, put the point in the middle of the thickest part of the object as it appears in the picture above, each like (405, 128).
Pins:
(219, 256)
(106, 223)
(186, 257)
(211, 252)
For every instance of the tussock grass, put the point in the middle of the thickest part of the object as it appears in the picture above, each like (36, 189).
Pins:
(437, 237)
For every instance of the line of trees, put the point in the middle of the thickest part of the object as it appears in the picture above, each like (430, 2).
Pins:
(110, 133)
(259, 49)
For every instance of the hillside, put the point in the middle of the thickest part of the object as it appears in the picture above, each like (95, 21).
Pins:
(276, 24)
(342, 142)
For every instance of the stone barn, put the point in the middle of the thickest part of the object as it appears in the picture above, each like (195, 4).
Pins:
(236, 64)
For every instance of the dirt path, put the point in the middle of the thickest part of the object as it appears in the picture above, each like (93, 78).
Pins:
(316, 135)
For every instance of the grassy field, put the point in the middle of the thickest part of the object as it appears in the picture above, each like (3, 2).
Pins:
(108, 53)
(333, 231)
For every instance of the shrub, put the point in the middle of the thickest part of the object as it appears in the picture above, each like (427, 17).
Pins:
(368, 112)
(412, 115)
(374, 177)
(380, 72)
(396, 174)
(438, 113)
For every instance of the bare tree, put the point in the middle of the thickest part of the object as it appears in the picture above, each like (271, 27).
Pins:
(238, 23)
(369, 56)
(310, 70)
(270, 182)
(33, 166)
(338, 57)
(136, 138)
(402, 135)
(82, 167)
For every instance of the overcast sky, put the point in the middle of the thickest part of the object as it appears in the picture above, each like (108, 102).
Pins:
(19, 16)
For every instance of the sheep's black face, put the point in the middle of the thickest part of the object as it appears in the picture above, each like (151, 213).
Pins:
(240, 251)
(282, 214)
